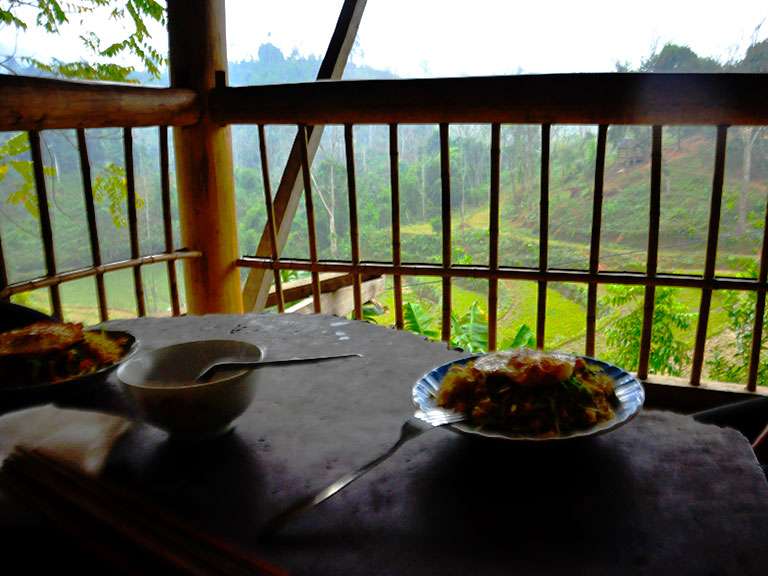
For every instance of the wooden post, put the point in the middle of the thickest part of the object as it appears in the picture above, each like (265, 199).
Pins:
(204, 169)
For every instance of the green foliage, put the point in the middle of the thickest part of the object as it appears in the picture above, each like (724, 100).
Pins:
(372, 310)
(133, 16)
(733, 365)
(470, 331)
(417, 320)
(523, 338)
(111, 186)
(19, 171)
(669, 353)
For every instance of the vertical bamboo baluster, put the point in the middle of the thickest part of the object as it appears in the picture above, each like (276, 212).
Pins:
(711, 258)
(653, 254)
(594, 248)
(133, 225)
(445, 180)
(541, 307)
(493, 241)
(45, 220)
(394, 178)
(3, 273)
(310, 216)
(757, 330)
(353, 230)
(270, 218)
(165, 188)
(93, 231)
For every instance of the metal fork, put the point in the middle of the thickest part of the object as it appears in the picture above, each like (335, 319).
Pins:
(416, 425)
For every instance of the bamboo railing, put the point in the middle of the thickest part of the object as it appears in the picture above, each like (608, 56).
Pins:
(118, 105)
(720, 100)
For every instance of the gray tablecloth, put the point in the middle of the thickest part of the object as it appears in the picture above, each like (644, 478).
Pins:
(662, 495)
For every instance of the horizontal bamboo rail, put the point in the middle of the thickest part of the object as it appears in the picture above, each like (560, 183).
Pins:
(40, 103)
(509, 273)
(55, 280)
(612, 98)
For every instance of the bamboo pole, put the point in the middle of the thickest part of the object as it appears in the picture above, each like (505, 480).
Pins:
(654, 218)
(541, 300)
(204, 167)
(93, 231)
(713, 231)
(43, 103)
(610, 98)
(493, 239)
(594, 247)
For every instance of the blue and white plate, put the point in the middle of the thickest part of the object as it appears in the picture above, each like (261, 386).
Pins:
(629, 392)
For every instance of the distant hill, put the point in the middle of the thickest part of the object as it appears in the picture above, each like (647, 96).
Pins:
(272, 67)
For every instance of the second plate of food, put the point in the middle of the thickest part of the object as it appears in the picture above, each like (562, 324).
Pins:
(527, 395)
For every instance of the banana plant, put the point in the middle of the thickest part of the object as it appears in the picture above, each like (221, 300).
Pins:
(416, 319)
(470, 331)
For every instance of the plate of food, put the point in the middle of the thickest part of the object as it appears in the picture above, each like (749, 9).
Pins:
(529, 395)
(49, 354)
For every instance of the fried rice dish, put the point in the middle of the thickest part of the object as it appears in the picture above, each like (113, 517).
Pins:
(528, 391)
(50, 352)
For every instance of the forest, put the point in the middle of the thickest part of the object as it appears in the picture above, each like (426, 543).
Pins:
(688, 158)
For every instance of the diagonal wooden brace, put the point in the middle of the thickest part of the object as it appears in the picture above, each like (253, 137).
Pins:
(288, 193)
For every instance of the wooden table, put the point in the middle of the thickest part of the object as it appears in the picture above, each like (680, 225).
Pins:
(662, 495)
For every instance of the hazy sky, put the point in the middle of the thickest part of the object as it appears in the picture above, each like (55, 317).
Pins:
(444, 37)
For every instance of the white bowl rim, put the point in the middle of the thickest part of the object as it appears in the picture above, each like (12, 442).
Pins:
(220, 380)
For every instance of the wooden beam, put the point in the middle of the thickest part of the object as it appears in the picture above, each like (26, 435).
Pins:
(42, 103)
(289, 192)
(204, 167)
(612, 98)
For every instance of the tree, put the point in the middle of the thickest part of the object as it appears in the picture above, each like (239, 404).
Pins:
(131, 14)
(52, 15)
(668, 351)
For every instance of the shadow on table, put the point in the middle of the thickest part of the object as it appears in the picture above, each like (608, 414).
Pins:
(496, 499)
(217, 483)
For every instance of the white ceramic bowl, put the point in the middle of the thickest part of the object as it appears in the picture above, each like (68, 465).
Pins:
(163, 384)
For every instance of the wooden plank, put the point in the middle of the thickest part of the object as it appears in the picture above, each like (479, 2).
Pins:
(493, 239)
(541, 301)
(311, 236)
(133, 222)
(329, 282)
(445, 184)
(60, 278)
(711, 258)
(271, 229)
(653, 253)
(594, 247)
(289, 192)
(341, 302)
(512, 273)
(165, 190)
(93, 231)
(354, 233)
(610, 98)
(197, 47)
(394, 179)
(46, 231)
